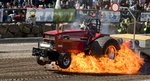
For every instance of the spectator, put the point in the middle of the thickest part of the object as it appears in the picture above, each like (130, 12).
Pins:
(140, 6)
(147, 26)
(115, 1)
(41, 6)
(24, 3)
(15, 3)
(127, 21)
(32, 6)
(5, 14)
(35, 3)
(148, 8)
(97, 6)
(83, 26)
(133, 2)
(71, 3)
(109, 8)
(94, 3)
(77, 5)
(124, 3)
(106, 7)
(80, 1)
(147, 2)
(0, 4)
(66, 6)
(127, 4)
(145, 7)
(49, 5)
(18, 18)
(8, 5)
(20, 2)
(83, 6)
(134, 7)
(122, 27)
(106, 2)
(142, 1)
(27, 5)
(41, 2)
(47, 2)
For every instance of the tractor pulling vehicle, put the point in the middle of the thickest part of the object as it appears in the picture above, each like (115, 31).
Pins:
(58, 45)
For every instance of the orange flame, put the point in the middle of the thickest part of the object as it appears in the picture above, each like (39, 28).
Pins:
(126, 62)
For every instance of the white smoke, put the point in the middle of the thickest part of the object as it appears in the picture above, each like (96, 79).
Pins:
(80, 17)
(108, 28)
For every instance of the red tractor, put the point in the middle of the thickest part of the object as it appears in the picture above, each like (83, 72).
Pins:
(58, 45)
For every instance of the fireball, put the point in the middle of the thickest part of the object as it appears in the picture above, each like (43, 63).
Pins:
(126, 62)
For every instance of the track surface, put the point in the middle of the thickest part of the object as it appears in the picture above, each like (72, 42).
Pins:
(17, 64)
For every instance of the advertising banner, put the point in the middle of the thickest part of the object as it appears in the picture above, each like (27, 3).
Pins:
(64, 15)
(41, 15)
(144, 16)
(1, 15)
(110, 16)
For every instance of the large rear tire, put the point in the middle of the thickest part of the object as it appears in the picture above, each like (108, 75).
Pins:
(105, 45)
(64, 60)
(111, 48)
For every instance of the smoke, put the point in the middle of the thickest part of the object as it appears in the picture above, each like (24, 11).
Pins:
(76, 25)
(107, 17)
(80, 17)
(108, 28)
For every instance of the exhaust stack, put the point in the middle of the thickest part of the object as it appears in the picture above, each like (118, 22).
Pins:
(57, 27)
(63, 28)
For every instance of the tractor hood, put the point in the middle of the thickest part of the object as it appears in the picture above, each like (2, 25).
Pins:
(63, 32)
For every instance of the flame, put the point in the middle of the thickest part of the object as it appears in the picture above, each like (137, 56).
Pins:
(126, 62)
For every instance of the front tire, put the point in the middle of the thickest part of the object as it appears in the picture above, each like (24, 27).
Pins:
(64, 60)
(40, 62)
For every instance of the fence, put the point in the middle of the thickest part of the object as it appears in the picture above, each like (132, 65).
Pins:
(13, 15)
(67, 15)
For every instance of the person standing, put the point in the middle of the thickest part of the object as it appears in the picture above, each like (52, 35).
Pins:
(97, 6)
(24, 3)
(147, 26)
(83, 25)
(122, 27)
(34, 2)
(147, 2)
(77, 5)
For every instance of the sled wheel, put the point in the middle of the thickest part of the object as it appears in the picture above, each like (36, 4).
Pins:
(64, 60)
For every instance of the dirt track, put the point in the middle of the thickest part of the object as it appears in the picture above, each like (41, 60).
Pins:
(17, 64)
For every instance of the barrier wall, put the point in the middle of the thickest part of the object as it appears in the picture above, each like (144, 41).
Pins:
(9, 30)
(17, 23)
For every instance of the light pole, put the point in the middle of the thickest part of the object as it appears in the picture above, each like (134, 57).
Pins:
(134, 30)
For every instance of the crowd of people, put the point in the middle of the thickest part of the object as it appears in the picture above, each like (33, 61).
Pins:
(77, 4)
(25, 3)
(16, 15)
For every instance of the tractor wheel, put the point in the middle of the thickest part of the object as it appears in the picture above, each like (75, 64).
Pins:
(40, 62)
(105, 45)
(64, 60)
(111, 49)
